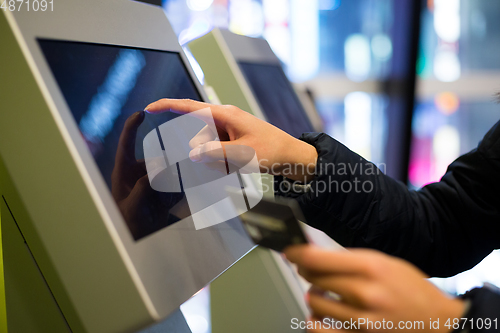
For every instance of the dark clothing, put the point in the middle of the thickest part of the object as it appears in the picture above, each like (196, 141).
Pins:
(484, 309)
(444, 228)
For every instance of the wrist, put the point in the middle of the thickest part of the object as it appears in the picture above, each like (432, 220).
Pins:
(299, 162)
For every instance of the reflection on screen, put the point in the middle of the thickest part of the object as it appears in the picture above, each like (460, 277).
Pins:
(104, 87)
(277, 98)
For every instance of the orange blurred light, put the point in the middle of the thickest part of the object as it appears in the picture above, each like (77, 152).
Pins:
(447, 103)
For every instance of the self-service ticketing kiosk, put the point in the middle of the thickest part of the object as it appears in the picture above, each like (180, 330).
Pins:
(88, 245)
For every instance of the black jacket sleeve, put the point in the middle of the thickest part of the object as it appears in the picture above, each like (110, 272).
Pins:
(484, 311)
(444, 228)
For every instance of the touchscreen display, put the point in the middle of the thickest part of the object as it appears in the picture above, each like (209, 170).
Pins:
(277, 98)
(105, 86)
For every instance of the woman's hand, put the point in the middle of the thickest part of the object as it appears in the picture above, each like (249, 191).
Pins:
(277, 152)
(373, 286)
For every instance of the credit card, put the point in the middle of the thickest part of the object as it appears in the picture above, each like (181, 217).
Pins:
(275, 224)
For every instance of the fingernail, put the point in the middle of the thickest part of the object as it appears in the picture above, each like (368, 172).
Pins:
(194, 154)
(146, 109)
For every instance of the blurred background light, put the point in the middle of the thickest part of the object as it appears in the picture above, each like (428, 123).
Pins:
(276, 11)
(220, 15)
(278, 38)
(426, 121)
(329, 4)
(446, 148)
(246, 17)
(447, 66)
(277, 30)
(447, 103)
(197, 313)
(304, 35)
(358, 123)
(447, 19)
(357, 57)
(382, 47)
(199, 5)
